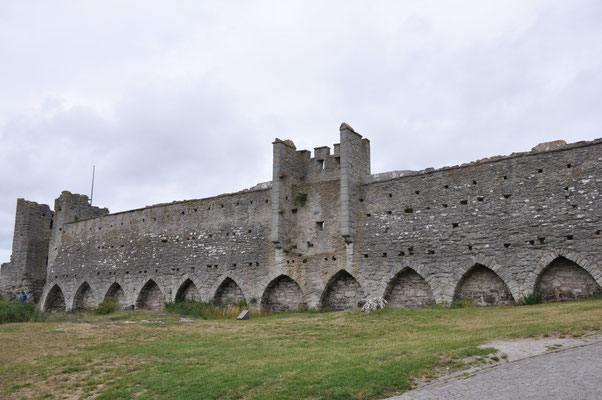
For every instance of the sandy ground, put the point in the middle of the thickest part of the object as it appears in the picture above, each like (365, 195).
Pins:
(517, 349)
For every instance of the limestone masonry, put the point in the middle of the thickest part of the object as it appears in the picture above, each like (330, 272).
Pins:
(327, 233)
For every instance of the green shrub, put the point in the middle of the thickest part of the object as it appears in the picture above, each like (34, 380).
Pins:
(20, 312)
(106, 307)
(533, 298)
(462, 303)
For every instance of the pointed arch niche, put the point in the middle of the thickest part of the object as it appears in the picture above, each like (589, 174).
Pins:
(228, 293)
(564, 280)
(342, 292)
(188, 292)
(409, 290)
(282, 294)
(55, 300)
(484, 287)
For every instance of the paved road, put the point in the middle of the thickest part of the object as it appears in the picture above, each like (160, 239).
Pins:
(570, 374)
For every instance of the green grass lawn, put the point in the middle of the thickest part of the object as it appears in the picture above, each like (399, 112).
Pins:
(345, 355)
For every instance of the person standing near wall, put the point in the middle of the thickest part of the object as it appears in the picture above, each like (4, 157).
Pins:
(22, 298)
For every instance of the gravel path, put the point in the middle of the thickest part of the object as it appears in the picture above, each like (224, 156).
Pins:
(574, 373)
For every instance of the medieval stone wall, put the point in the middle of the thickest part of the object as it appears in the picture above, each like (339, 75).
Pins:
(201, 240)
(325, 233)
(513, 215)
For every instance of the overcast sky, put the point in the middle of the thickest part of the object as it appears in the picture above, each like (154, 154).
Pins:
(181, 99)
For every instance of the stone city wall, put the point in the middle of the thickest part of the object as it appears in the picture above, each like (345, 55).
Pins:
(327, 233)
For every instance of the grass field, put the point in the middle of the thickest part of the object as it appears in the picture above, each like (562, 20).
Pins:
(345, 355)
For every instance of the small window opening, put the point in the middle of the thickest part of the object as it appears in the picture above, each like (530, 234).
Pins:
(597, 232)
(338, 160)
(539, 171)
(480, 198)
(333, 258)
(532, 242)
(266, 200)
(411, 250)
(474, 182)
(507, 196)
(569, 237)
(365, 255)
(310, 244)
(444, 205)
(325, 258)
(568, 165)
(470, 247)
(463, 202)
(417, 192)
(368, 215)
(506, 245)
(505, 177)
(389, 212)
(390, 194)
(402, 253)
(320, 225)
(294, 211)
(321, 164)
(384, 255)
(431, 251)
(361, 200)
(455, 225)
(542, 240)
